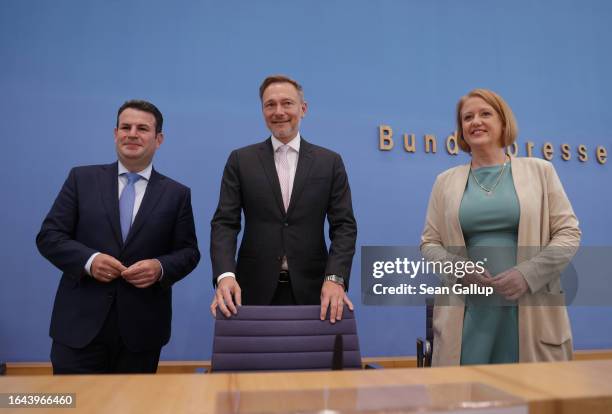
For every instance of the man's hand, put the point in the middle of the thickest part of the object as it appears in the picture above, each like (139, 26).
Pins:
(227, 297)
(143, 274)
(510, 284)
(334, 298)
(105, 268)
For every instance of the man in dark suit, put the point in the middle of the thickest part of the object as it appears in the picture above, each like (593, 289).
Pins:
(122, 234)
(285, 187)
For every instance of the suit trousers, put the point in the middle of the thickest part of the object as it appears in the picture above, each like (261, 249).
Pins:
(105, 354)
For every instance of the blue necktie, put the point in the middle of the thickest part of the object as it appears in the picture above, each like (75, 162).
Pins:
(126, 203)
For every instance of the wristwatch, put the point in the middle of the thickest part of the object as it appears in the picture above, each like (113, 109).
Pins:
(336, 279)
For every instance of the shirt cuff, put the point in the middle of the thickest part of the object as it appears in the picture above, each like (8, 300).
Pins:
(162, 270)
(224, 275)
(89, 262)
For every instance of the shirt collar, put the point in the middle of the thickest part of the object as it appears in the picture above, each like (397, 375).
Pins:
(146, 173)
(294, 143)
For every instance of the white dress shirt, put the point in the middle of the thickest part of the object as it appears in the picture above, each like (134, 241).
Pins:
(292, 156)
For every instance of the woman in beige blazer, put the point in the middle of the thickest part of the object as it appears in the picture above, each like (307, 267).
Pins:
(516, 203)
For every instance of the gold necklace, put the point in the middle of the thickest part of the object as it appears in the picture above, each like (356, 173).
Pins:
(489, 191)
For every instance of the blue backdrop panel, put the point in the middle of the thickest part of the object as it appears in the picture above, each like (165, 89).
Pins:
(67, 65)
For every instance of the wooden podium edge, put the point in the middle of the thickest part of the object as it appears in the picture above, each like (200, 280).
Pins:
(193, 367)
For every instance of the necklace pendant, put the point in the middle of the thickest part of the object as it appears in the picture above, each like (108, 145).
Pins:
(489, 193)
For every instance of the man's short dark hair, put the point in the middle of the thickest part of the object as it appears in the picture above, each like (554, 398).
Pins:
(280, 79)
(145, 107)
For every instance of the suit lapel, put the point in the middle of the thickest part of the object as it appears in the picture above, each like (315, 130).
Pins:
(266, 156)
(305, 160)
(109, 191)
(152, 195)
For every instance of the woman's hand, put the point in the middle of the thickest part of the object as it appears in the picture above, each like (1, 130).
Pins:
(480, 279)
(510, 284)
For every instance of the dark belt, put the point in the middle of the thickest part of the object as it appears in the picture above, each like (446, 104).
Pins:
(283, 276)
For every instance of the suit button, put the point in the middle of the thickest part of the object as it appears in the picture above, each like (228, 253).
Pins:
(286, 224)
(110, 297)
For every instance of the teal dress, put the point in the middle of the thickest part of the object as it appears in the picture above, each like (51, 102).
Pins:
(490, 229)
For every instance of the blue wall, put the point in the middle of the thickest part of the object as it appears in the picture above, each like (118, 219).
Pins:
(66, 65)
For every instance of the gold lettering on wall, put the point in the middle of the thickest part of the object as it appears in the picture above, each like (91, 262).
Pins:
(431, 145)
(602, 155)
(547, 151)
(565, 152)
(454, 148)
(582, 153)
(532, 149)
(385, 138)
(409, 142)
(512, 149)
(529, 147)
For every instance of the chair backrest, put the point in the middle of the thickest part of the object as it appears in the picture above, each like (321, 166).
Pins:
(424, 347)
(264, 338)
(429, 307)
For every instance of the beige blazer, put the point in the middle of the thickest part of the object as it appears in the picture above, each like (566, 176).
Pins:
(548, 236)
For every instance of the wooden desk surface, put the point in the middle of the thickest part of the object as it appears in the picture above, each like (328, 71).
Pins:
(567, 387)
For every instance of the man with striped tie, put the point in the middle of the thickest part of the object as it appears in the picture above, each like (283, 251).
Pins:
(286, 187)
(122, 234)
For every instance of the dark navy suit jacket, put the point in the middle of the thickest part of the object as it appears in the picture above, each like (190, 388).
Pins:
(85, 219)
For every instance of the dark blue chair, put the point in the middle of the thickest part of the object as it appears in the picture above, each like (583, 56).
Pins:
(274, 338)
(425, 346)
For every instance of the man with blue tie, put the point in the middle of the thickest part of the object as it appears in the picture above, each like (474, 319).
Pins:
(122, 234)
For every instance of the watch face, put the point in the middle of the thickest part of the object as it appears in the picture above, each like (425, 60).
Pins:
(335, 279)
